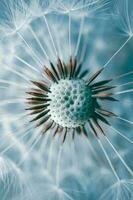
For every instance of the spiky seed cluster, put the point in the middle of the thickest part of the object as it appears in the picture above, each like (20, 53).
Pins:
(71, 103)
(67, 101)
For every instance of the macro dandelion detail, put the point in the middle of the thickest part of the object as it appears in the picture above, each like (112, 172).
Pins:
(69, 102)
(66, 83)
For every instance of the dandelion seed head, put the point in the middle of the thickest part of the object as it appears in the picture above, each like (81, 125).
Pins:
(53, 80)
(68, 100)
(71, 103)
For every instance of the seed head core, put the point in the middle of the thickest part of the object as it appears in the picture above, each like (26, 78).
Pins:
(68, 101)
(71, 103)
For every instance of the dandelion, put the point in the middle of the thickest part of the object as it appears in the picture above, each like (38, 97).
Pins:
(70, 102)
(65, 101)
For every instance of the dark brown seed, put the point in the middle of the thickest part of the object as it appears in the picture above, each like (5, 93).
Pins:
(83, 74)
(36, 111)
(56, 130)
(38, 107)
(74, 66)
(100, 83)
(37, 99)
(39, 116)
(102, 95)
(43, 121)
(41, 95)
(65, 134)
(93, 129)
(106, 113)
(60, 68)
(37, 102)
(102, 89)
(50, 75)
(65, 70)
(54, 70)
(84, 131)
(102, 119)
(78, 129)
(94, 76)
(70, 68)
(97, 125)
(48, 126)
(78, 70)
(109, 99)
(41, 85)
(73, 134)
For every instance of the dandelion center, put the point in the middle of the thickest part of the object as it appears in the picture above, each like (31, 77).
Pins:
(71, 103)
(68, 101)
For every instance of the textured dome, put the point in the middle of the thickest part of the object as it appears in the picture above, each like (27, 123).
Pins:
(71, 103)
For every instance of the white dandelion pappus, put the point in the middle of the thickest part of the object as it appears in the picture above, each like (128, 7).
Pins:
(14, 15)
(122, 15)
(11, 180)
(40, 7)
(79, 5)
(123, 12)
(121, 190)
(63, 171)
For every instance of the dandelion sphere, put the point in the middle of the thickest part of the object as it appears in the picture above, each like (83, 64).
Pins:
(66, 85)
(71, 103)
(68, 100)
